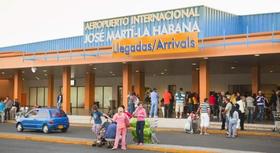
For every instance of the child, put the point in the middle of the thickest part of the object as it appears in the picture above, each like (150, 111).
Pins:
(233, 118)
(140, 113)
(122, 124)
(96, 121)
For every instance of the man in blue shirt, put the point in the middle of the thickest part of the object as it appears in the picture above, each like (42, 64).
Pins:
(2, 111)
(260, 103)
(154, 103)
(180, 98)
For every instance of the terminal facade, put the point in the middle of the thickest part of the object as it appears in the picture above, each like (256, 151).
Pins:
(199, 49)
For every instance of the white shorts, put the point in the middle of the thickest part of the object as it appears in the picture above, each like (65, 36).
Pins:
(179, 107)
(204, 120)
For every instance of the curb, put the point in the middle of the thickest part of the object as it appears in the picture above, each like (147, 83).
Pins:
(51, 139)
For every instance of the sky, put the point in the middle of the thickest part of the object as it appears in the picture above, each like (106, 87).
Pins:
(25, 21)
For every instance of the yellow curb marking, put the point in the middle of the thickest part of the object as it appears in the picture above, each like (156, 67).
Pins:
(86, 142)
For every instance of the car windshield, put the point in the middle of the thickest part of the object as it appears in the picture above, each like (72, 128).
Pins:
(57, 113)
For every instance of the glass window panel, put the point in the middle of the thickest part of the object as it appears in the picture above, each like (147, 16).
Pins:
(108, 92)
(99, 95)
(40, 97)
(32, 96)
(81, 96)
(46, 96)
(74, 96)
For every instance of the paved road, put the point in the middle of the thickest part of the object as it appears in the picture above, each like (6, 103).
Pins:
(17, 146)
(248, 143)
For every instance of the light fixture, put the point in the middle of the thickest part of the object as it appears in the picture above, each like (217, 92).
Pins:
(2, 73)
(162, 73)
(45, 74)
(33, 69)
(137, 71)
(233, 67)
(23, 79)
(205, 58)
(257, 55)
(197, 69)
(37, 78)
(165, 70)
(22, 71)
(111, 72)
(94, 68)
(193, 64)
(271, 71)
(45, 71)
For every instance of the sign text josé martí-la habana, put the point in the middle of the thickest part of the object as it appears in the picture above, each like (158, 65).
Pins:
(103, 32)
(156, 45)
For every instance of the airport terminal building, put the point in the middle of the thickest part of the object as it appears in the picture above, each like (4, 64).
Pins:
(197, 48)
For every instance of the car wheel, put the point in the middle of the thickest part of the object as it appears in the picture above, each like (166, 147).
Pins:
(45, 129)
(19, 127)
(64, 130)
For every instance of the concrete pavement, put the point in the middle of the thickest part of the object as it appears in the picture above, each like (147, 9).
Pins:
(83, 135)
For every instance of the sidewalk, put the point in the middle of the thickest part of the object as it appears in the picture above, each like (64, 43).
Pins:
(175, 124)
(147, 147)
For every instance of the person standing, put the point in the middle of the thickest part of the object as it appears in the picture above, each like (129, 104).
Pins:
(251, 108)
(166, 102)
(227, 111)
(140, 113)
(59, 100)
(242, 107)
(96, 120)
(204, 110)
(195, 101)
(278, 101)
(212, 103)
(122, 123)
(2, 111)
(15, 108)
(260, 103)
(154, 103)
(180, 98)
(131, 102)
(233, 119)
(8, 105)
(222, 109)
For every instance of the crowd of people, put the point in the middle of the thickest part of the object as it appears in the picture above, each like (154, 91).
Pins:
(256, 107)
(8, 108)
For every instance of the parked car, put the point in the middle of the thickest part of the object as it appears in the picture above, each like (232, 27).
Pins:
(44, 119)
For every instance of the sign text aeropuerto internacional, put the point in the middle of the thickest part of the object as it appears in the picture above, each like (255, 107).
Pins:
(150, 24)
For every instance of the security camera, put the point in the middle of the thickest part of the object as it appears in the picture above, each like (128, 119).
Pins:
(33, 69)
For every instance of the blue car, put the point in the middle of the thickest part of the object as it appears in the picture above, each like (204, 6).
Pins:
(44, 119)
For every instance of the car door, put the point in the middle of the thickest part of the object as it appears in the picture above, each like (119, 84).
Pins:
(41, 118)
(29, 120)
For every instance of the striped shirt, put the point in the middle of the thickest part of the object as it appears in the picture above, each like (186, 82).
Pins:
(180, 97)
(204, 107)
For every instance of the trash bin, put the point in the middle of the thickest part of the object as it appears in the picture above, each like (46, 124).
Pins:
(113, 104)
